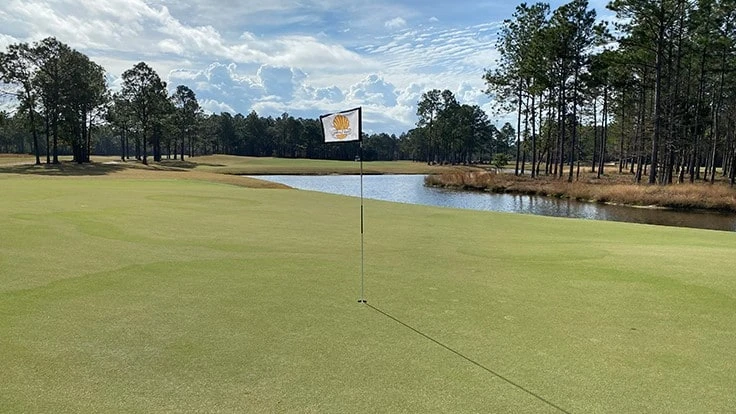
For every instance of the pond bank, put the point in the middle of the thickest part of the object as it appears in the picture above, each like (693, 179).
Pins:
(611, 190)
(411, 189)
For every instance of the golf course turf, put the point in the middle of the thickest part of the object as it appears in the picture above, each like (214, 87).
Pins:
(177, 295)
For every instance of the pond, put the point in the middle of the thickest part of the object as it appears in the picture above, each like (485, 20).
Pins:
(411, 189)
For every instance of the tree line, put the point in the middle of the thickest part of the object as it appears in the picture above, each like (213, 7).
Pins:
(454, 133)
(654, 91)
(65, 107)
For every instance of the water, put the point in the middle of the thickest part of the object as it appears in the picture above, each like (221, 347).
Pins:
(411, 189)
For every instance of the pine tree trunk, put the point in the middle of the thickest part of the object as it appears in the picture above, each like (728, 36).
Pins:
(55, 130)
(695, 164)
(534, 140)
(562, 130)
(35, 135)
(593, 163)
(574, 143)
(518, 132)
(122, 146)
(639, 133)
(623, 133)
(48, 142)
(145, 147)
(657, 101)
(604, 133)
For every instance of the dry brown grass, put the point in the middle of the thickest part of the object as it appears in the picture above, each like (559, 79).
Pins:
(612, 189)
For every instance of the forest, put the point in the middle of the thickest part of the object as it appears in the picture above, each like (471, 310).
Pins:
(649, 93)
(655, 88)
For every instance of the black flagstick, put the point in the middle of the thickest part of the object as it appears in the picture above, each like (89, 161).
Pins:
(362, 262)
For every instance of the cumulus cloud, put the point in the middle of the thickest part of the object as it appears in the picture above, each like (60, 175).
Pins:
(332, 94)
(215, 107)
(395, 23)
(409, 95)
(220, 86)
(471, 94)
(406, 105)
(373, 89)
(329, 95)
(274, 89)
(280, 82)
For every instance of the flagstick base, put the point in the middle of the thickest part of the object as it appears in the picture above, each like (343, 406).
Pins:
(362, 301)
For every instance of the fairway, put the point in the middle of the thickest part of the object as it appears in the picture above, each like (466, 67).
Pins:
(168, 295)
(229, 164)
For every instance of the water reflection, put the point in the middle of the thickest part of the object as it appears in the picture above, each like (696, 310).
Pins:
(411, 189)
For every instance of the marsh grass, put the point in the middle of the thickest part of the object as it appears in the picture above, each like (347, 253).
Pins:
(611, 189)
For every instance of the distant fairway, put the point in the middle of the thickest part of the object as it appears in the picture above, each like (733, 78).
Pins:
(231, 164)
(169, 295)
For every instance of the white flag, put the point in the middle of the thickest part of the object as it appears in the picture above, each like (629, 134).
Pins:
(343, 126)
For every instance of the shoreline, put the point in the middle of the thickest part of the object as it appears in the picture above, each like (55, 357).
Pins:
(611, 189)
(700, 197)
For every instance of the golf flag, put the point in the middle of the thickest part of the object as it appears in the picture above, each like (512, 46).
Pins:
(342, 126)
(346, 126)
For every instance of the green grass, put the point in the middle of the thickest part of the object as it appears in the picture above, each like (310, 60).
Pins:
(223, 164)
(230, 164)
(130, 295)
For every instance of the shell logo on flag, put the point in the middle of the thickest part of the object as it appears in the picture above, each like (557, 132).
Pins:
(341, 123)
(342, 126)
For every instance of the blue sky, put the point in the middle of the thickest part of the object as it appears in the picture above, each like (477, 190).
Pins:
(302, 57)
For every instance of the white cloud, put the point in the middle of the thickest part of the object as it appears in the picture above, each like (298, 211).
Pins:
(373, 89)
(472, 93)
(395, 23)
(85, 25)
(171, 46)
(272, 90)
(307, 95)
(219, 85)
(309, 53)
(279, 82)
(212, 106)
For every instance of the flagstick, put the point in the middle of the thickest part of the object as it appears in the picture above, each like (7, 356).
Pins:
(337, 127)
(362, 266)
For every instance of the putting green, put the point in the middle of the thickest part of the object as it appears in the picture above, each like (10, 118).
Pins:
(172, 295)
